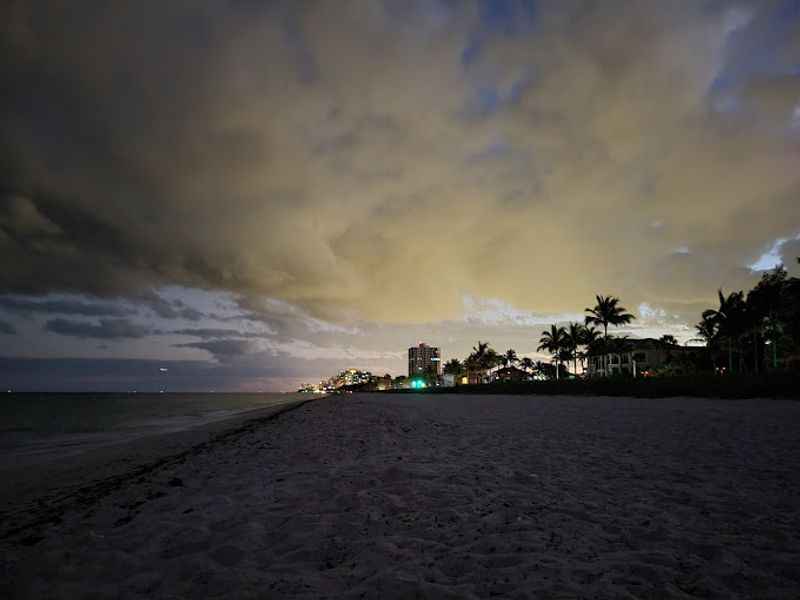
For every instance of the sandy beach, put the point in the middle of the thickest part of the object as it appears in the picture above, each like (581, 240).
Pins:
(427, 496)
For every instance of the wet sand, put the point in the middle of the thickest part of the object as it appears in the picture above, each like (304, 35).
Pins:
(404, 496)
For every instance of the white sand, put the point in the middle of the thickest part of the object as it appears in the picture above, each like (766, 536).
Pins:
(404, 496)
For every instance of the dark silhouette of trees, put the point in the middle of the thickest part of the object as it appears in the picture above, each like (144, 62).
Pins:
(483, 359)
(510, 358)
(743, 324)
(707, 332)
(527, 364)
(554, 341)
(668, 340)
(607, 311)
(728, 320)
(574, 337)
(453, 367)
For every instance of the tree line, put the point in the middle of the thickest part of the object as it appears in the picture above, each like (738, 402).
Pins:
(567, 345)
(754, 331)
(746, 333)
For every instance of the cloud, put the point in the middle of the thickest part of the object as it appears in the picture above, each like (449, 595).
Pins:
(494, 311)
(222, 349)
(168, 309)
(239, 344)
(7, 328)
(154, 303)
(211, 333)
(106, 329)
(286, 320)
(790, 252)
(27, 306)
(337, 180)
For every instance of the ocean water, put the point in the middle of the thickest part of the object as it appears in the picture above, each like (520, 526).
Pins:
(37, 427)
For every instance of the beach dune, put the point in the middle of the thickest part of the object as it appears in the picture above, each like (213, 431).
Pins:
(440, 496)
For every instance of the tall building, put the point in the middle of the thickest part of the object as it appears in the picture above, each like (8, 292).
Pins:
(424, 360)
(351, 377)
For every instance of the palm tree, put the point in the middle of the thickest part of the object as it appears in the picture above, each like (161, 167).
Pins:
(707, 332)
(527, 364)
(471, 366)
(668, 340)
(564, 357)
(607, 312)
(510, 358)
(554, 341)
(620, 344)
(574, 339)
(480, 349)
(728, 319)
(764, 302)
(482, 359)
(589, 337)
(773, 330)
(491, 360)
(453, 367)
(541, 367)
(473, 362)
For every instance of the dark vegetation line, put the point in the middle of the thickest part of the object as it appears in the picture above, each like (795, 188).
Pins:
(754, 333)
(783, 385)
(748, 346)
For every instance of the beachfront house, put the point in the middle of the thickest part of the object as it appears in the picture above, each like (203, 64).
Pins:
(473, 377)
(636, 358)
(510, 374)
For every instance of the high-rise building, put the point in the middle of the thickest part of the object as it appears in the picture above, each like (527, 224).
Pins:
(351, 377)
(424, 360)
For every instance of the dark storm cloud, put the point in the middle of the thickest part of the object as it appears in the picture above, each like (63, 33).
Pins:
(222, 349)
(210, 333)
(319, 152)
(106, 329)
(27, 306)
(168, 309)
(7, 328)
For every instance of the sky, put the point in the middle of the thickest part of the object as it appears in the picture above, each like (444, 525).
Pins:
(245, 195)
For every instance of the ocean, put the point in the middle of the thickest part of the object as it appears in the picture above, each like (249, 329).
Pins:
(38, 427)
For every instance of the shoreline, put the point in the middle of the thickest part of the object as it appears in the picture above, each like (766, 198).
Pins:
(38, 443)
(56, 483)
